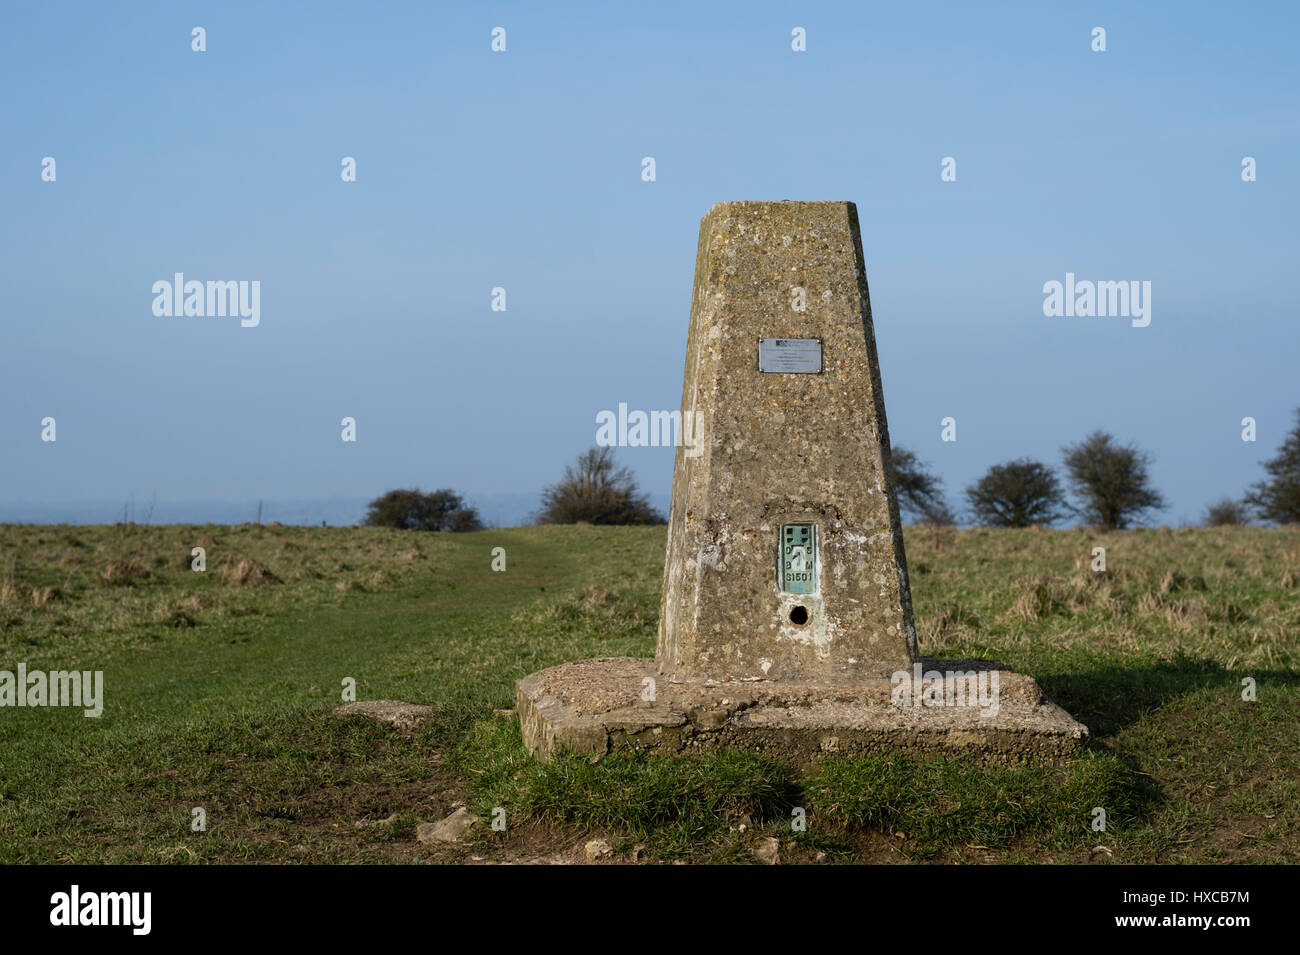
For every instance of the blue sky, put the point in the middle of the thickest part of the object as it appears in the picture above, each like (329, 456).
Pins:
(522, 170)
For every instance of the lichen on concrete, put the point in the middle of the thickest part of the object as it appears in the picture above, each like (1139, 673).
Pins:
(739, 660)
(596, 707)
(781, 448)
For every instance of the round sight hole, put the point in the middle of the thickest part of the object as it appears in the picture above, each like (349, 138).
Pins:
(799, 616)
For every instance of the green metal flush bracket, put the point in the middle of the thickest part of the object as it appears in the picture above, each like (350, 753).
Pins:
(798, 558)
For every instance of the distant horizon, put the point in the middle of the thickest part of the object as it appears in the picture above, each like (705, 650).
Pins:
(497, 510)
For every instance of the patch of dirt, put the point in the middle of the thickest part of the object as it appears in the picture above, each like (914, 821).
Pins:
(1239, 838)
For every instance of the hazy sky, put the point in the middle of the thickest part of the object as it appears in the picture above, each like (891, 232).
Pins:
(522, 170)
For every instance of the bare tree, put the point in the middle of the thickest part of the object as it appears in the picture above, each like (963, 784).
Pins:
(919, 491)
(594, 491)
(1110, 481)
(1278, 499)
(1016, 494)
(416, 510)
(1226, 513)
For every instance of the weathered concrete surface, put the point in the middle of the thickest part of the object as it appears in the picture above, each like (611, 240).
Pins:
(595, 707)
(779, 448)
(733, 665)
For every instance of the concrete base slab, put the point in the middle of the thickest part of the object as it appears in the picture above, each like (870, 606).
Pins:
(596, 707)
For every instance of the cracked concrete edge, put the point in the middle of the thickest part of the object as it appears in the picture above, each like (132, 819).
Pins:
(1024, 731)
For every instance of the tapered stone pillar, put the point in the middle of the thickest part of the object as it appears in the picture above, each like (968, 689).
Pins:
(786, 623)
(783, 384)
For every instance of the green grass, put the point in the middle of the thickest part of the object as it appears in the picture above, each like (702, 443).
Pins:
(948, 803)
(679, 805)
(219, 689)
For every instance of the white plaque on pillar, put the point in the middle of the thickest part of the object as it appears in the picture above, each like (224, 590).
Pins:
(790, 356)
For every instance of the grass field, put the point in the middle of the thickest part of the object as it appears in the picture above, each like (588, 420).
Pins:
(219, 687)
